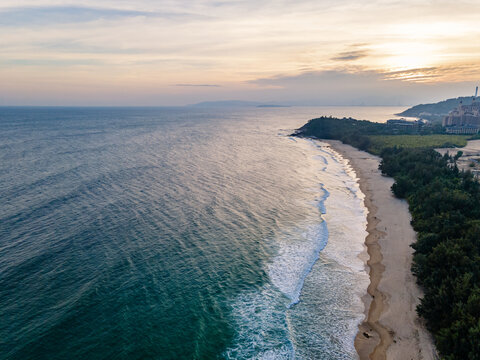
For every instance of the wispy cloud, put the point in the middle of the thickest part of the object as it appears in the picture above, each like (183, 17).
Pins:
(362, 87)
(350, 55)
(51, 15)
(176, 48)
(448, 73)
(197, 85)
(419, 74)
(51, 62)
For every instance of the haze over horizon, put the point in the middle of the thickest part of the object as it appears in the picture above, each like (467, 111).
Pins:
(177, 52)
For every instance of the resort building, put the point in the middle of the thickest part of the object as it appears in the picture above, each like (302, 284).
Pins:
(405, 123)
(465, 119)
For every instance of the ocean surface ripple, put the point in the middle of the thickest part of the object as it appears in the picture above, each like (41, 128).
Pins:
(175, 233)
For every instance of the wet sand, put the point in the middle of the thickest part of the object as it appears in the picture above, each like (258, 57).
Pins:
(391, 329)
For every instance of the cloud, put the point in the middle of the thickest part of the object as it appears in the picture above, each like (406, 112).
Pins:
(335, 88)
(197, 85)
(466, 71)
(351, 55)
(49, 15)
(418, 74)
(51, 62)
(172, 49)
(359, 87)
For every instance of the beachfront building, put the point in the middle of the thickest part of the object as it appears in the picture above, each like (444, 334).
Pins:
(465, 119)
(405, 123)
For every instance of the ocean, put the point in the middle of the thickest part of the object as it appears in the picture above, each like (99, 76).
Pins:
(177, 233)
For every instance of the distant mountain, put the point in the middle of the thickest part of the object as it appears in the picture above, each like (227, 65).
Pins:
(235, 103)
(435, 111)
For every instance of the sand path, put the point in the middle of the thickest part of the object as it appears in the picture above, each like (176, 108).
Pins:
(392, 329)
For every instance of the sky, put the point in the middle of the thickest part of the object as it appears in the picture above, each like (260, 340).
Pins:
(297, 52)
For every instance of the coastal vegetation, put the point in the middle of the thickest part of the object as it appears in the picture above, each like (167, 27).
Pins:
(380, 142)
(444, 204)
(374, 137)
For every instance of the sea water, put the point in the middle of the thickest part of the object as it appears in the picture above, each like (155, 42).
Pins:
(177, 233)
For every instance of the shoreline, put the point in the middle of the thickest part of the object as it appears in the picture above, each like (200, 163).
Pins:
(391, 328)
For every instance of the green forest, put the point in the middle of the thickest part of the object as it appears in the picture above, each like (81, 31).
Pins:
(445, 207)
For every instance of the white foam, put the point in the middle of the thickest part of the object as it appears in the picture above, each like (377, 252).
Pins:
(263, 330)
(297, 254)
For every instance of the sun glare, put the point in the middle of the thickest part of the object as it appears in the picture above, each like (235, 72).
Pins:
(408, 60)
(408, 55)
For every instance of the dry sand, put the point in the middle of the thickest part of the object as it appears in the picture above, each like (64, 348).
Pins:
(392, 329)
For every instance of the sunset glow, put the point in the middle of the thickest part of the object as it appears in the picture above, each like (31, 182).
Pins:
(150, 53)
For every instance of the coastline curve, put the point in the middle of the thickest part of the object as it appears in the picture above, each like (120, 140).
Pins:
(391, 329)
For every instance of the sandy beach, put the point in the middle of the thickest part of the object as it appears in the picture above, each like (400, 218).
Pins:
(391, 329)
